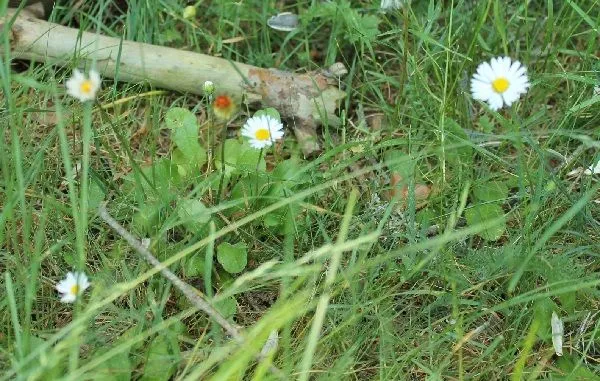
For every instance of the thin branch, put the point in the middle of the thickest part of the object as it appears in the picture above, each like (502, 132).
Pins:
(190, 293)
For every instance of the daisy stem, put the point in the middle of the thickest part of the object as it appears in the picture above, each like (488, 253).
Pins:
(85, 168)
(222, 180)
(211, 139)
(260, 155)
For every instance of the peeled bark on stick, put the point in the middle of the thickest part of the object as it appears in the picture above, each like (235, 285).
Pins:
(305, 100)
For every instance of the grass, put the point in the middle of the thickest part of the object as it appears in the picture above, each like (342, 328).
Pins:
(359, 283)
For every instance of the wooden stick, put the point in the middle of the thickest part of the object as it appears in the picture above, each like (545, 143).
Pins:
(190, 293)
(306, 100)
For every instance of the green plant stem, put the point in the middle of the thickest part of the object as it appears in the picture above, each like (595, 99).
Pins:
(222, 179)
(260, 155)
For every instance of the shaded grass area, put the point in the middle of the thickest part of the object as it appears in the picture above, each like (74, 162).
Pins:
(421, 291)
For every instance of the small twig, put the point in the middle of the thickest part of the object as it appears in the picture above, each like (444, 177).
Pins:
(223, 138)
(190, 293)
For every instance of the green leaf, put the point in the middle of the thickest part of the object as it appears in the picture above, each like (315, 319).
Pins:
(233, 258)
(269, 111)
(160, 364)
(193, 214)
(116, 368)
(364, 28)
(486, 124)
(542, 311)
(290, 171)
(232, 151)
(251, 160)
(227, 307)
(273, 220)
(95, 196)
(184, 132)
(482, 213)
(194, 266)
(490, 191)
(70, 258)
(170, 35)
(247, 188)
(185, 167)
(163, 176)
(147, 218)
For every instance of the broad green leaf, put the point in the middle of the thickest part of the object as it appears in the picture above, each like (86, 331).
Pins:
(290, 170)
(273, 219)
(233, 258)
(232, 150)
(247, 189)
(163, 176)
(486, 124)
(251, 160)
(184, 132)
(194, 266)
(193, 214)
(269, 111)
(160, 363)
(482, 213)
(169, 36)
(542, 310)
(490, 191)
(147, 218)
(117, 368)
(425, 217)
(276, 219)
(185, 167)
(95, 196)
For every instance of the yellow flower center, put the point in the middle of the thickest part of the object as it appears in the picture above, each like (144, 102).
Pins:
(75, 289)
(86, 87)
(262, 134)
(500, 85)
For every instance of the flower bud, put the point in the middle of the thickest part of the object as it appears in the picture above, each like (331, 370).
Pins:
(209, 88)
(189, 12)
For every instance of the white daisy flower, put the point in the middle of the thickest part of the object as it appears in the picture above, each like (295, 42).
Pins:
(262, 131)
(499, 82)
(83, 88)
(72, 286)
